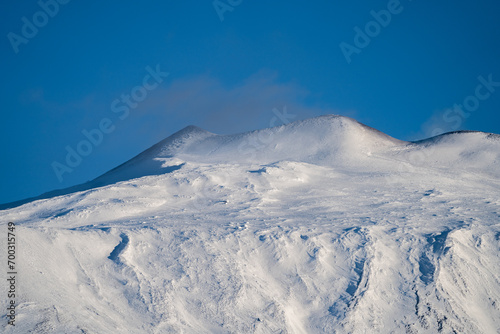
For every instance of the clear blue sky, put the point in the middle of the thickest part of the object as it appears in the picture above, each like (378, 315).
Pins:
(69, 68)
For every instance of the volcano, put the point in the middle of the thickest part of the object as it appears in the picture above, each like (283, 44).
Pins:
(323, 225)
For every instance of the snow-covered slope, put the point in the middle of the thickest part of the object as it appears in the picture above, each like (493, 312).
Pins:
(319, 226)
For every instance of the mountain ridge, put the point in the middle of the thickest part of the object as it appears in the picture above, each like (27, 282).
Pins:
(296, 229)
(342, 141)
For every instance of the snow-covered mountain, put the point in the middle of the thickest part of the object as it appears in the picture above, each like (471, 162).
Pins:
(319, 226)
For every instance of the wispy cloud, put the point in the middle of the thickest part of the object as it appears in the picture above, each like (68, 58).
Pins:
(435, 125)
(206, 102)
(453, 118)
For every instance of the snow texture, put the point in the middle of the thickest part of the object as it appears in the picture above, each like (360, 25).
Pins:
(318, 226)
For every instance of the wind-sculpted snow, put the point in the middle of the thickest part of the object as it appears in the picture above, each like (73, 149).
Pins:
(328, 226)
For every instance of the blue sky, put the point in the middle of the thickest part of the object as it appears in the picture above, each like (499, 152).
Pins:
(129, 74)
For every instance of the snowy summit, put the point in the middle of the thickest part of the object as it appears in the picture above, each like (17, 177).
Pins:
(323, 225)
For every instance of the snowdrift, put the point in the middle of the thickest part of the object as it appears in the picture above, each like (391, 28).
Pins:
(319, 226)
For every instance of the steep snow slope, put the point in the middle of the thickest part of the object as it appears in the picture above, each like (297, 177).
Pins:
(322, 225)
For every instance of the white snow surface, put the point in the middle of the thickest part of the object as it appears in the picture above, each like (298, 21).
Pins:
(318, 226)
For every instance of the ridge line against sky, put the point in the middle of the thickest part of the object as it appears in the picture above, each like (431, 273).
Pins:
(411, 69)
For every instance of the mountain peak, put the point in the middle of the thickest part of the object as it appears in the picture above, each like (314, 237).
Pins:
(329, 140)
